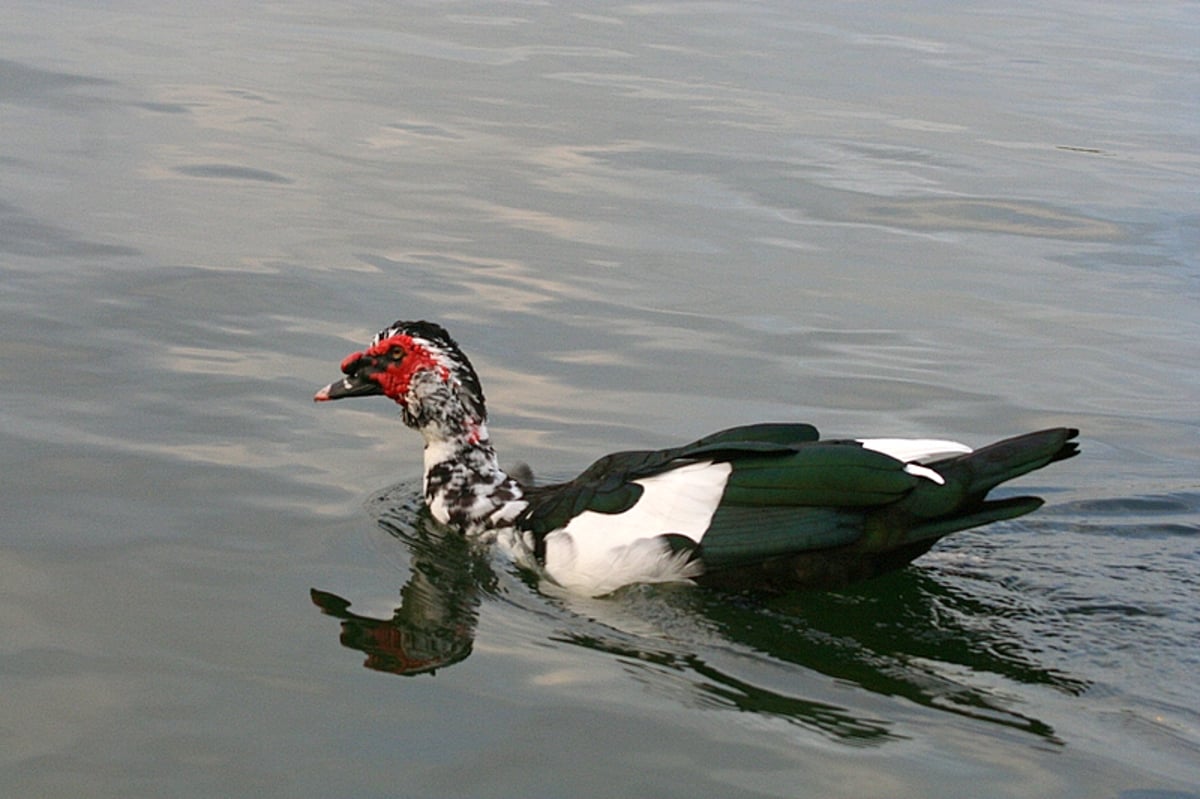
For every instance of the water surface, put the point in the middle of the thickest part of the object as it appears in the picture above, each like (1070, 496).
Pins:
(643, 222)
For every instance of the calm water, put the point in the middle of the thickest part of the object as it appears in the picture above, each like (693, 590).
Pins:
(644, 222)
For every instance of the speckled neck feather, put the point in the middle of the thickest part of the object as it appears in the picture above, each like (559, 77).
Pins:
(440, 397)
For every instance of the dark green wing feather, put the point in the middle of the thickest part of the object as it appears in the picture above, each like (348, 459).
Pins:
(781, 548)
(782, 434)
(607, 485)
(743, 534)
(784, 493)
(841, 474)
(814, 497)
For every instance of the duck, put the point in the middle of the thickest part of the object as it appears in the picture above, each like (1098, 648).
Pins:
(768, 507)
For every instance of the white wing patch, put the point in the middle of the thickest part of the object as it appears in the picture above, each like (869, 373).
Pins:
(917, 470)
(916, 451)
(597, 553)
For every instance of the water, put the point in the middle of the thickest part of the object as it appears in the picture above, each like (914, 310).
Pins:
(644, 223)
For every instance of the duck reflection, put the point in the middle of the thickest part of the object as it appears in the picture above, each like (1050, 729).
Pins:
(907, 635)
(434, 625)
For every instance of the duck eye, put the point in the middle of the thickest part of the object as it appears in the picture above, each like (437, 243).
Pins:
(396, 353)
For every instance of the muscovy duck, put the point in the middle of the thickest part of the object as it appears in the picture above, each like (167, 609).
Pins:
(765, 506)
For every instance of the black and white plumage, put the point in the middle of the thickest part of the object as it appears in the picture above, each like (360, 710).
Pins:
(761, 506)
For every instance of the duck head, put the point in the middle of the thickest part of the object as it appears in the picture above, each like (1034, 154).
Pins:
(417, 365)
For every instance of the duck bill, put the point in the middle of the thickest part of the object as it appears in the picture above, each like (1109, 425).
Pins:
(355, 385)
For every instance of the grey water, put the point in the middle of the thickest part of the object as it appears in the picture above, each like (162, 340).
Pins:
(644, 222)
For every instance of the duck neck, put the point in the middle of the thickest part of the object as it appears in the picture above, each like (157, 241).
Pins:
(465, 486)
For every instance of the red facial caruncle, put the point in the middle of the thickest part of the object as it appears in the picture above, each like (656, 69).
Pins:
(397, 359)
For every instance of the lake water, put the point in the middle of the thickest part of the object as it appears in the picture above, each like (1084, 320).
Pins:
(644, 222)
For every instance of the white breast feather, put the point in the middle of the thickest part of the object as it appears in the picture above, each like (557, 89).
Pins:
(596, 553)
(915, 451)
